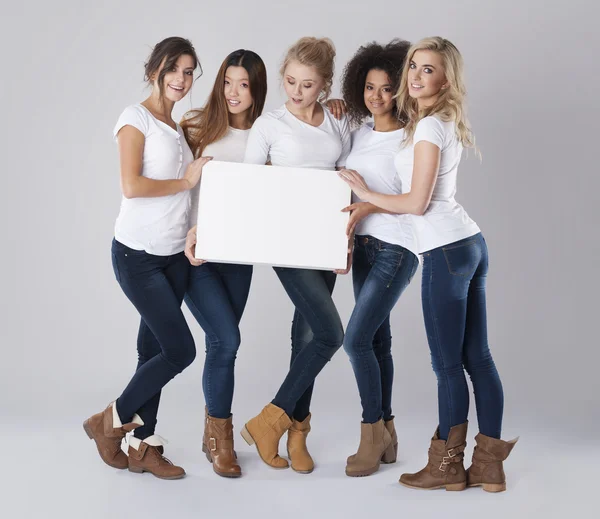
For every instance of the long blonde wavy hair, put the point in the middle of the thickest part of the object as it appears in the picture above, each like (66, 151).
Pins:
(450, 105)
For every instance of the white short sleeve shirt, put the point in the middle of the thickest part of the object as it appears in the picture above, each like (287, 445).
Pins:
(372, 155)
(156, 225)
(280, 137)
(445, 220)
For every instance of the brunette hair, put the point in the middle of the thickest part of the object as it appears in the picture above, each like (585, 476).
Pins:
(210, 123)
(169, 50)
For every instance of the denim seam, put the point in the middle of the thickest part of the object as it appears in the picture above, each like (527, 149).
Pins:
(437, 341)
(459, 245)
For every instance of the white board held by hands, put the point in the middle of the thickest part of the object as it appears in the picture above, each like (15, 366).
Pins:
(289, 217)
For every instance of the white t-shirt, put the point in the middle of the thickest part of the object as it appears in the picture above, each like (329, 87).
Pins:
(372, 156)
(230, 148)
(285, 140)
(157, 225)
(445, 221)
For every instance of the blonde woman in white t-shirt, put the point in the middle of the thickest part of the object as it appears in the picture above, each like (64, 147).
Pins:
(455, 266)
(157, 172)
(301, 133)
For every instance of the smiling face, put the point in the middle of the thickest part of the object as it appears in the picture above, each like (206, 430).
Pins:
(378, 93)
(302, 84)
(237, 90)
(426, 77)
(178, 80)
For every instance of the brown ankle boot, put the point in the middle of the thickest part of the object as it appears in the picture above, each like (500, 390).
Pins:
(106, 429)
(486, 469)
(265, 430)
(147, 456)
(296, 446)
(445, 468)
(389, 425)
(218, 446)
(375, 447)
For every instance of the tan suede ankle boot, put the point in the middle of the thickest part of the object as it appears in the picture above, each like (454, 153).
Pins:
(106, 429)
(147, 456)
(445, 468)
(486, 469)
(375, 447)
(301, 460)
(389, 425)
(265, 430)
(218, 446)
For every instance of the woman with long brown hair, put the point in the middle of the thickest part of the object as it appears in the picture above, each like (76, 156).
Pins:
(217, 292)
(158, 171)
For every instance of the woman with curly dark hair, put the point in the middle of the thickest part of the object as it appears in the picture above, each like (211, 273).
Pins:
(385, 251)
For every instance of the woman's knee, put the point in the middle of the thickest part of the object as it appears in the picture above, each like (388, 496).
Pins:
(446, 369)
(479, 364)
(224, 345)
(182, 356)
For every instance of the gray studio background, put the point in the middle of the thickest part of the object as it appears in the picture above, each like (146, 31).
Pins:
(68, 333)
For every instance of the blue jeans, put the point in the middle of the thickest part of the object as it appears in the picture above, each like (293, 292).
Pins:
(317, 333)
(454, 308)
(217, 294)
(380, 271)
(155, 285)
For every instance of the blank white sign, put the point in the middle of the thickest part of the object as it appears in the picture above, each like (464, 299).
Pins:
(289, 217)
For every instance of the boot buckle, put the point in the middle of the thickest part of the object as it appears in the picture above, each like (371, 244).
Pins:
(446, 459)
(212, 443)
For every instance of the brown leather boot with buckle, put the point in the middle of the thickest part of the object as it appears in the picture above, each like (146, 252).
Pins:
(487, 469)
(265, 430)
(302, 461)
(147, 456)
(106, 429)
(445, 468)
(375, 447)
(218, 446)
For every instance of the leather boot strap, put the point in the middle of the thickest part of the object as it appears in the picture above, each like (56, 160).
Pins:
(216, 444)
(454, 455)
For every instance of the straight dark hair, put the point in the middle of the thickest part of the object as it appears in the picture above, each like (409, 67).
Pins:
(210, 123)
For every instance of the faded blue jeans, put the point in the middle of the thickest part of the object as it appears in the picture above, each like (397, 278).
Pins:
(454, 308)
(317, 333)
(381, 271)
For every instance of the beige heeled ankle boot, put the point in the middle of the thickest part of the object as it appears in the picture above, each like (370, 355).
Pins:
(375, 447)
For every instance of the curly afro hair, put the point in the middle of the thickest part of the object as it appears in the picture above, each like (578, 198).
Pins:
(389, 58)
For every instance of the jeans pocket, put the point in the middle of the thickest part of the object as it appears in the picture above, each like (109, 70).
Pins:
(462, 259)
(388, 262)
